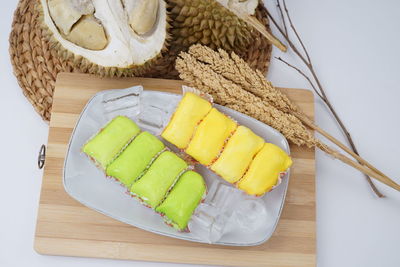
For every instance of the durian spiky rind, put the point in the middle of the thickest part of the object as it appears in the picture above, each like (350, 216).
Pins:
(256, 53)
(86, 66)
(208, 23)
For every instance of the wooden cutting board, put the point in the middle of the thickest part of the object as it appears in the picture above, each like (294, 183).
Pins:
(66, 227)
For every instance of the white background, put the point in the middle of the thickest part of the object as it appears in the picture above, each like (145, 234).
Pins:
(355, 47)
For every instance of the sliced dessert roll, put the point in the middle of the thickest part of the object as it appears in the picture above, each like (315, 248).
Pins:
(185, 196)
(264, 171)
(237, 155)
(109, 142)
(158, 179)
(137, 156)
(190, 111)
(210, 137)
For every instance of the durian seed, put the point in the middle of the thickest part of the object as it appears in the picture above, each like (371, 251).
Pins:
(88, 33)
(143, 17)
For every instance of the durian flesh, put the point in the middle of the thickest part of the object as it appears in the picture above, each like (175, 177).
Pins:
(148, 10)
(88, 33)
(100, 31)
(66, 13)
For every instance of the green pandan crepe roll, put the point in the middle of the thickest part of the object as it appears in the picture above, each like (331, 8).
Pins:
(183, 199)
(162, 174)
(135, 158)
(109, 142)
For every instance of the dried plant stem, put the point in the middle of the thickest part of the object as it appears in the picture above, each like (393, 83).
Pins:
(256, 24)
(302, 74)
(261, 28)
(358, 166)
(319, 90)
(278, 5)
(204, 69)
(312, 125)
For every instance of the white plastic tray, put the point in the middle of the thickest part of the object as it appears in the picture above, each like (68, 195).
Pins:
(87, 184)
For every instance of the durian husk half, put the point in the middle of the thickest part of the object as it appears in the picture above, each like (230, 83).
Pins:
(103, 37)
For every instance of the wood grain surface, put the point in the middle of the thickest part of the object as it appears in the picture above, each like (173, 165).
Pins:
(66, 227)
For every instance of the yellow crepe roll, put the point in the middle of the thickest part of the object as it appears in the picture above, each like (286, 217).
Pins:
(210, 137)
(190, 111)
(265, 170)
(237, 155)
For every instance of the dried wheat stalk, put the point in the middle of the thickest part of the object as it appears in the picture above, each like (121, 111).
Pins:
(234, 84)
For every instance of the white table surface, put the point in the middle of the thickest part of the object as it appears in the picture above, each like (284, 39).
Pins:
(355, 47)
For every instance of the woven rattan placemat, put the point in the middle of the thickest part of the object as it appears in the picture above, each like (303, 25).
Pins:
(36, 64)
